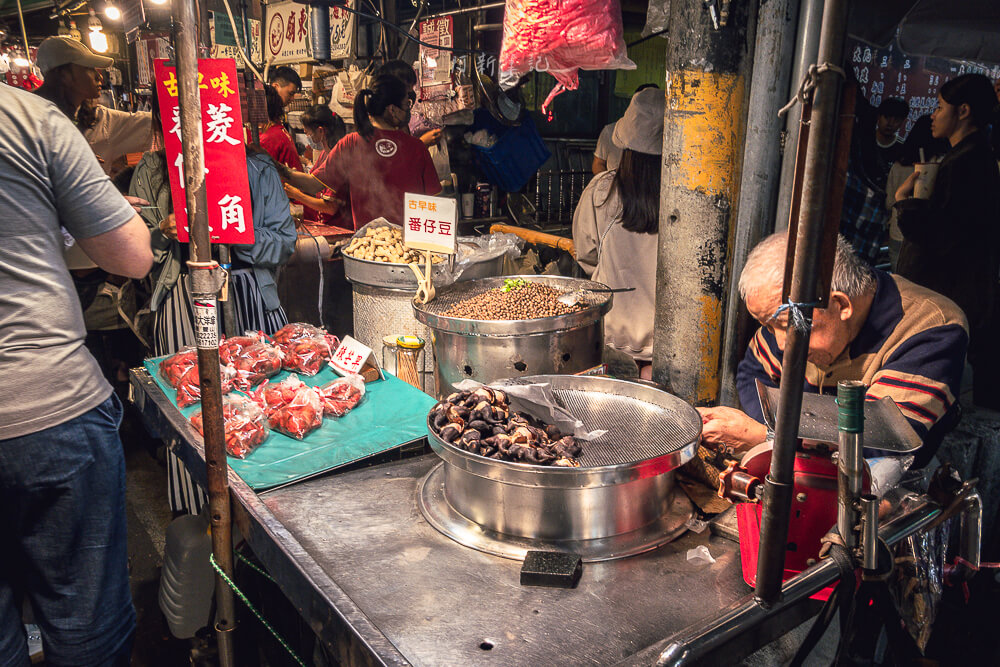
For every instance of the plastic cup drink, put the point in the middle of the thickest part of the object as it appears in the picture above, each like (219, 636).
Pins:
(926, 174)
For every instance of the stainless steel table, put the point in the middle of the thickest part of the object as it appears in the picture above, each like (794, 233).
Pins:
(379, 585)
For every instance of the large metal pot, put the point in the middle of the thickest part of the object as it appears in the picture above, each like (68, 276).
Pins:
(620, 501)
(486, 350)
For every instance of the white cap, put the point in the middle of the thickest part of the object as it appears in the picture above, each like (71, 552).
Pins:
(641, 128)
(56, 51)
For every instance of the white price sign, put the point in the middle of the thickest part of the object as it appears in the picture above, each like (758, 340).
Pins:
(429, 223)
(352, 356)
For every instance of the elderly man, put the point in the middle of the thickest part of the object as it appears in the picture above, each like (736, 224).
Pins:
(902, 340)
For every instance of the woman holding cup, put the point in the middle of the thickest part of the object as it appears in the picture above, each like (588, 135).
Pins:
(949, 215)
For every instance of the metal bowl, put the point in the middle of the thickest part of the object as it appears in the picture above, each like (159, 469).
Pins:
(619, 501)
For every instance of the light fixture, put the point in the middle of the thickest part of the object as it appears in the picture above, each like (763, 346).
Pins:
(99, 41)
(111, 11)
(93, 22)
(73, 32)
(63, 28)
(159, 2)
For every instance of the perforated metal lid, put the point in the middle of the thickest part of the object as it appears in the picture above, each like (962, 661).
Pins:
(648, 432)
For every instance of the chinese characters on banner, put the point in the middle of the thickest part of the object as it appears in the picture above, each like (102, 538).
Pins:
(429, 223)
(435, 64)
(287, 33)
(342, 26)
(230, 219)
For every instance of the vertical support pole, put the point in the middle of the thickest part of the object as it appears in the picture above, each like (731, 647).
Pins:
(803, 289)
(806, 48)
(850, 459)
(204, 291)
(776, 25)
(702, 148)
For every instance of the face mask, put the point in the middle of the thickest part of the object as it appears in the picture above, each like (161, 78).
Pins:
(315, 145)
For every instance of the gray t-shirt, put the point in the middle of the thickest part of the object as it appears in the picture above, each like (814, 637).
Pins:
(48, 177)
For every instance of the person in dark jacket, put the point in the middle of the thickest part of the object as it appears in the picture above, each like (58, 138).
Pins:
(950, 239)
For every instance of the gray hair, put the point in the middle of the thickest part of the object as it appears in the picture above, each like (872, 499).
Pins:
(765, 268)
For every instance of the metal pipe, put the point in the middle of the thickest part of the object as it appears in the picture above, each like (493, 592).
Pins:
(24, 33)
(869, 531)
(971, 527)
(706, 77)
(850, 458)
(806, 50)
(483, 27)
(465, 10)
(776, 23)
(204, 288)
(803, 290)
(693, 645)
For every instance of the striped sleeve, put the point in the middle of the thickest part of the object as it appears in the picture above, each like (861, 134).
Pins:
(762, 362)
(923, 375)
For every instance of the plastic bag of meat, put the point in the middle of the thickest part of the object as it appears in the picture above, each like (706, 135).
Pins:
(272, 395)
(173, 368)
(294, 331)
(300, 416)
(342, 395)
(559, 38)
(245, 424)
(308, 355)
(189, 388)
(254, 364)
(231, 347)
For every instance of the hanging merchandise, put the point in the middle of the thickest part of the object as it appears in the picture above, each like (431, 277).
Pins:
(343, 89)
(559, 38)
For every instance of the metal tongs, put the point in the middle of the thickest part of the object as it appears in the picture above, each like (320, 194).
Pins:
(573, 298)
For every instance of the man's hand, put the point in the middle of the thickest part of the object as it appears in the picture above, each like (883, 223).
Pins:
(293, 192)
(168, 227)
(430, 137)
(729, 430)
(136, 202)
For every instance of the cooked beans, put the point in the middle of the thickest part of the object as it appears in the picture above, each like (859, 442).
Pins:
(529, 301)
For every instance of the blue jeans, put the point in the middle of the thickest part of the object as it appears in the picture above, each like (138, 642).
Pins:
(63, 544)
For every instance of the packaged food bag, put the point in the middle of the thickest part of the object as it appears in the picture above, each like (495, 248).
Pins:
(245, 424)
(342, 395)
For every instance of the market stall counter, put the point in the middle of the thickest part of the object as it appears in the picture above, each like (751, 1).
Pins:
(379, 585)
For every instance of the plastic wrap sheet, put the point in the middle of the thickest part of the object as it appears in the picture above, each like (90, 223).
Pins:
(392, 414)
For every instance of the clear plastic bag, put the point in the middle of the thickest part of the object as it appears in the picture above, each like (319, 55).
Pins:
(300, 416)
(189, 386)
(272, 395)
(304, 347)
(254, 364)
(560, 38)
(342, 395)
(173, 368)
(245, 425)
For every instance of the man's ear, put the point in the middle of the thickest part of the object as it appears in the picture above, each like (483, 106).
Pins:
(844, 304)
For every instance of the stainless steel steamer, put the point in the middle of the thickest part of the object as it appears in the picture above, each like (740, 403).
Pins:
(619, 502)
(487, 350)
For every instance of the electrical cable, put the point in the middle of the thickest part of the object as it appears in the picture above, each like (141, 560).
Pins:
(241, 47)
(420, 10)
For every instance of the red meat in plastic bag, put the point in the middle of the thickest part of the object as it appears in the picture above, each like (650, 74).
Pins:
(254, 364)
(189, 389)
(307, 355)
(232, 347)
(245, 425)
(173, 368)
(341, 396)
(272, 395)
(558, 38)
(294, 331)
(300, 416)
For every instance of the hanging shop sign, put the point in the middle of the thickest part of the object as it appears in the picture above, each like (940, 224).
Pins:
(227, 189)
(133, 18)
(148, 50)
(435, 64)
(429, 223)
(223, 38)
(287, 33)
(342, 27)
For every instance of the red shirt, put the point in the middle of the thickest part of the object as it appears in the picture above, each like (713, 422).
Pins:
(279, 146)
(378, 172)
(340, 219)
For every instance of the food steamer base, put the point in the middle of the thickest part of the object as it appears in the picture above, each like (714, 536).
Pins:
(620, 501)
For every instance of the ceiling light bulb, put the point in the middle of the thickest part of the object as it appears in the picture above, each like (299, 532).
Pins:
(159, 2)
(112, 12)
(93, 22)
(99, 41)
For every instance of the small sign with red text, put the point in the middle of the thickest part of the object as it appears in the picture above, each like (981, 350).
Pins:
(227, 189)
(429, 223)
(352, 356)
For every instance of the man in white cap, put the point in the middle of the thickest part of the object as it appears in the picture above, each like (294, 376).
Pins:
(62, 469)
(616, 223)
(72, 80)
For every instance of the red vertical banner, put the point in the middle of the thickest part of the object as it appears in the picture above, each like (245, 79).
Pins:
(230, 219)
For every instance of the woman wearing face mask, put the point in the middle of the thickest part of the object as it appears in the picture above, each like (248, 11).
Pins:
(950, 240)
(376, 165)
(323, 129)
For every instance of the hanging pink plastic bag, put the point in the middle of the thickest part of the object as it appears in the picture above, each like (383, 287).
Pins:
(559, 37)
